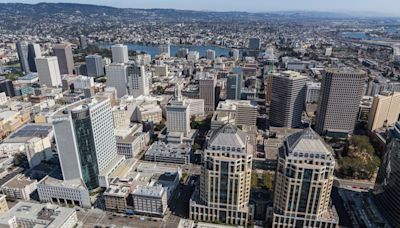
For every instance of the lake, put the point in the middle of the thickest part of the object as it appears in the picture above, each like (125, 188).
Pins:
(153, 49)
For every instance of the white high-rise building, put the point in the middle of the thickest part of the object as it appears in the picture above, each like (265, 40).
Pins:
(138, 81)
(207, 85)
(193, 56)
(178, 114)
(235, 54)
(48, 71)
(117, 77)
(119, 53)
(85, 139)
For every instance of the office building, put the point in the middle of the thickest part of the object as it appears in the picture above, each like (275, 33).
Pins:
(82, 42)
(64, 193)
(48, 71)
(117, 77)
(33, 52)
(385, 111)
(65, 58)
(85, 140)
(246, 113)
(138, 81)
(178, 113)
(182, 53)
(193, 56)
(225, 178)
(22, 50)
(387, 187)
(235, 54)
(313, 91)
(210, 54)
(341, 92)
(19, 187)
(233, 86)
(254, 43)
(303, 183)
(7, 87)
(27, 214)
(94, 65)
(150, 200)
(116, 198)
(119, 53)
(165, 49)
(168, 153)
(207, 91)
(287, 99)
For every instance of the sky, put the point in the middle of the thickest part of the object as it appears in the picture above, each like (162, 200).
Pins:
(384, 7)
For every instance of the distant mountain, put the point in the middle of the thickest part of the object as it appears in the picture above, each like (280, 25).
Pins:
(45, 10)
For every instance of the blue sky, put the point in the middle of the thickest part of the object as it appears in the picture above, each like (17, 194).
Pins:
(388, 7)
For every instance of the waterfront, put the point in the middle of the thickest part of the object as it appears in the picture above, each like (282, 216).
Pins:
(153, 49)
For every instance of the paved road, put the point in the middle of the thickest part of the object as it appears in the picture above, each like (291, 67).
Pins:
(353, 184)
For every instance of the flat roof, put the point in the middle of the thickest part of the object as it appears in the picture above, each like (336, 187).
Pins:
(33, 130)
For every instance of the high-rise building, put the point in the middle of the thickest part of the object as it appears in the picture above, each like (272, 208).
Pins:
(287, 99)
(65, 58)
(233, 86)
(341, 92)
(207, 91)
(48, 71)
(210, 54)
(119, 53)
(117, 77)
(82, 42)
(94, 65)
(254, 43)
(313, 92)
(85, 140)
(165, 49)
(138, 81)
(225, 178)
(385, 110)
(7, 87)
(387, 187)
(246, 113)
(33, 52)
(178, 114)
(22, 50)
(303, 183)
(268, 89)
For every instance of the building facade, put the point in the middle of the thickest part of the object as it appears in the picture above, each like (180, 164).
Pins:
(48, 71)
(94, 65)
(119, 53)
(65, 58)
(385, 111)
(117, 76)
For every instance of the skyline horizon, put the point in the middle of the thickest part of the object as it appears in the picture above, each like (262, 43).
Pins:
(357, 12)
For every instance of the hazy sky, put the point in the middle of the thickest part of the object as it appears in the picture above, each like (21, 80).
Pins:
(390, 7)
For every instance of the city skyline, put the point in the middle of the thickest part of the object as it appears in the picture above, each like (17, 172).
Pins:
(357, 7)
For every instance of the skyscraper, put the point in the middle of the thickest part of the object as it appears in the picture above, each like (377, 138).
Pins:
(178, 114)
(65, 58)
(94, 65)
(33, 52)
(119, 53)
(85, 140)
(138, 81)
(117, 77)
(233, 86)
(303, 183)
(22, 50)
(341, 92)
(287, 99)
(225, 178)
(207, 91)
(387, 187)
(48, 71)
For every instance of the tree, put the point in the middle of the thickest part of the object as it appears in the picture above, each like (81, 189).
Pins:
(267, 181)
(254, 180)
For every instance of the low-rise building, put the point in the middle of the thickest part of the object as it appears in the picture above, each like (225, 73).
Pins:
(19, 187)
(64, 193)
(116, 198)
(132, 144)
(151, 200)
(27, 214)
(168, 152)
(3, 204)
